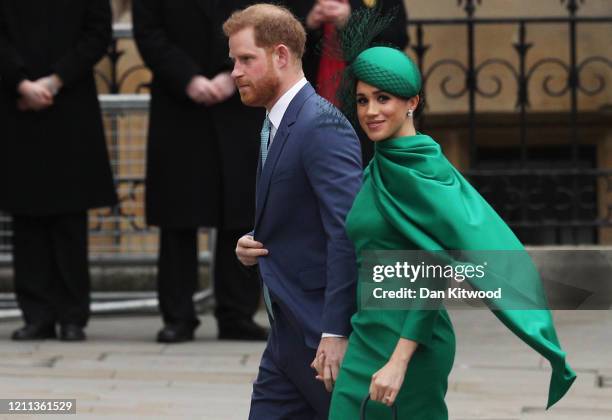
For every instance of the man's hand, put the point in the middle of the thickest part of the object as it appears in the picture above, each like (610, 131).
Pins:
(203, 91)
(53, 83)
(328, 360)
(248, 250)
(225, 84)
(34, 96)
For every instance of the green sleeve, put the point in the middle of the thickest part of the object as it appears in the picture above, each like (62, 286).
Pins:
(419, 325)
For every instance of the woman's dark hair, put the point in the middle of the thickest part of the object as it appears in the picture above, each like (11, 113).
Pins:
(421, 106)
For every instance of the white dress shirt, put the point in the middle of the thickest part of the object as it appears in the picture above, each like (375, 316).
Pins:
(280, 107)
(276, 115)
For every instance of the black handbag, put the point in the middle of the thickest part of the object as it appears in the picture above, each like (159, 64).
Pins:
(364, 405)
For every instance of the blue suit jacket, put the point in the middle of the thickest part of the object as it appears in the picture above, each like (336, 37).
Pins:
(304, 191)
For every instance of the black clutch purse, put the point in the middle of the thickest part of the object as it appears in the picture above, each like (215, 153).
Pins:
(364, 405)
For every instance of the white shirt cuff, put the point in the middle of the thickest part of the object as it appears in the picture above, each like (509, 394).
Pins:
(325, 335)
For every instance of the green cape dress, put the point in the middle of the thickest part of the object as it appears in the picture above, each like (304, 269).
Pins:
(414, 199)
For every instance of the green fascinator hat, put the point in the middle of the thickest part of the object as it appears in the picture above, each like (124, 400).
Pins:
(384, 67)
(388, 69)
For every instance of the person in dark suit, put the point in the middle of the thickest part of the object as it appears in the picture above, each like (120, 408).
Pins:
(54, 164)
(195, 175)
(309, 173)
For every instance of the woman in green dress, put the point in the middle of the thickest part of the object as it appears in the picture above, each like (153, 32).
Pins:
(414, 199)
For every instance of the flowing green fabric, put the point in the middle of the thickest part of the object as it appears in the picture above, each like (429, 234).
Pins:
(425, 197)
(414, 199)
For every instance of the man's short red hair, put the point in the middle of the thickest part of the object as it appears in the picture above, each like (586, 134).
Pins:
(272, 25)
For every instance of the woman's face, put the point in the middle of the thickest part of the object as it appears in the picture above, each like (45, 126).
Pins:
(382, 115)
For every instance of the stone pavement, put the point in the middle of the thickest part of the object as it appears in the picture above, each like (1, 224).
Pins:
(120, 373)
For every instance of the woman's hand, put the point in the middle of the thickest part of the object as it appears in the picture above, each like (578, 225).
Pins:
(328, 11)
(336, 12)
(387, 382)
(315, 17)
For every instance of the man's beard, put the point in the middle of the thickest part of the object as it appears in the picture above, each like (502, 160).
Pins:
(263, 91)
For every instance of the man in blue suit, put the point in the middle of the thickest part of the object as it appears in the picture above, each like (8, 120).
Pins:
(309, 173)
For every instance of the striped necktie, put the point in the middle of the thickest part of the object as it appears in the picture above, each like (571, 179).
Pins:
(265, 138)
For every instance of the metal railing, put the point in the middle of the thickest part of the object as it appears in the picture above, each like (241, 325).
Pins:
(552, 200)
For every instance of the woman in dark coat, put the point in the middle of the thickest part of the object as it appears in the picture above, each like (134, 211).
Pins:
(54, 164)
(203, 144)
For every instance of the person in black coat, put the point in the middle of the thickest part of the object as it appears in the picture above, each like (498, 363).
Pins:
(54, 163)
(202, 144)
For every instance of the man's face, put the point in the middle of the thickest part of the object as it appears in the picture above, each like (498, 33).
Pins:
(254, 73)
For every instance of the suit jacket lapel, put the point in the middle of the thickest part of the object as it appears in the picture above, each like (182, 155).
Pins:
(282, 134)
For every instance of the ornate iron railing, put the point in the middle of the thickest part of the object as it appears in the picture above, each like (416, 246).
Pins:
(569, 202)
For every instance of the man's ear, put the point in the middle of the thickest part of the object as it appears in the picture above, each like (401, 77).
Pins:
(283, 54)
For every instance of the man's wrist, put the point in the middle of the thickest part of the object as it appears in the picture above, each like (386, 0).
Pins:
(190, 84)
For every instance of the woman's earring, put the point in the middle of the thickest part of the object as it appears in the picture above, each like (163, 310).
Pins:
(410, 113)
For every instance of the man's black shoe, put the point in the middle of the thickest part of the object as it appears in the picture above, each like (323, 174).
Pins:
(71, 332)
(175, 334)
(244, 330)
(34, 332)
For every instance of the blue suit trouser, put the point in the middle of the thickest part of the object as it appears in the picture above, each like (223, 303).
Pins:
(286, 388)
